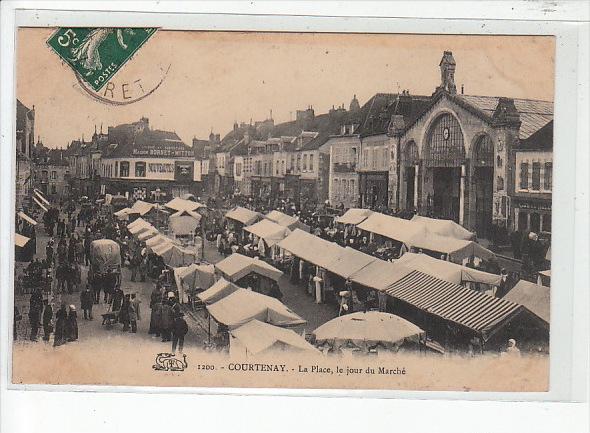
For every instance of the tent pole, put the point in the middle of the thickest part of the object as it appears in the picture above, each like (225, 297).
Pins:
(208, 328)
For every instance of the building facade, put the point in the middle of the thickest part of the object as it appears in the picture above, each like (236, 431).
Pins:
(52, 173)
(25, 137)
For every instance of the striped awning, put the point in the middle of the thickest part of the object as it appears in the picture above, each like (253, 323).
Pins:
(476, 311)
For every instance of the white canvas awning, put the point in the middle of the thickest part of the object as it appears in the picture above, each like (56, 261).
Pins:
(40, 196)
(148, 234)
(457, 249)
(243, 215)
(282, 219)
(141, 207)
(27, 218)
(354, 216)
(448, 228)
(311, 248)
(448, 271)
(41, 205)
(533, 297)
(20, 240)
(192, 277)
(258, 338)
(394, 228)
(271, 232)
(244, 305)
(349, 262)
(123, 214)
(238, 266)
(179, 204)
(217, 291)
(184, 222)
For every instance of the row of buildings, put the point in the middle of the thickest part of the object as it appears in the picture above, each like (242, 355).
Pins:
(485, 162)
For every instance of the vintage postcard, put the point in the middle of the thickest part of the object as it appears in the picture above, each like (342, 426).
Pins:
(283, 210)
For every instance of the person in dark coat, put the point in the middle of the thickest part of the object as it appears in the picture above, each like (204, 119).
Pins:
(117, 299)
(35, 310)
(72, 324)
(124, 314)
(60, 325)
(156, 314)
(47, 320)
(179, 330)
(49, 252)
(166, 320)
(86, 302)
(87, 242)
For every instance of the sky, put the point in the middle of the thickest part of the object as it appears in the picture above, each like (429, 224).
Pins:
(216, 78)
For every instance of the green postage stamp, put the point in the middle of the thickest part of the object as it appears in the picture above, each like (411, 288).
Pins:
(96, 54)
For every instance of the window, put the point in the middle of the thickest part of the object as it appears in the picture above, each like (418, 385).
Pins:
(283, 165)
(238, 169)
(298, 162)
(305, 162)
(536, 176)
(53, 189)
(124, 169)
(311, 162)
(548, 178)
(54, 175)
(524, 175)
(116, 168)
(546, 221)
(140, 169)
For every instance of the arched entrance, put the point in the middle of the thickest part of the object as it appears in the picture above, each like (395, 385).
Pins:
(483, 179)
(444, 157)
(410, 161)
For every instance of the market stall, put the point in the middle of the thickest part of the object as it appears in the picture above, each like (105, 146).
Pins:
(244, 305)
(250, 272)
(193, 279)
(454, 250)
(448, 228)
(368, 332)
(179, 204)
(260, 338)
(270, 233)
(354, 216)
(448, 271)
(220, 289)
(392, 230)
(287, 221)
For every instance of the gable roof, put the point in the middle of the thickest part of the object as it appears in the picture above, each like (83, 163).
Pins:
(540, 140)
(533, 297)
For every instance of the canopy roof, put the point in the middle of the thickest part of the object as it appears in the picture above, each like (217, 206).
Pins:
(178, 204)
(257, 337)
(444, 227)
(244, 305)
(137, 222)
(157, 240)
(368, 329)
(457, 249)
(141, 207)
(311, 248)
(27, 218)
(243, 215)
(137, 229)
(217, 291)
(41, 205)
(184, 222)
(238, 266)
(533, 297)
(447, 271)
(379, 275)
(349, 262)
(40, 196)
(476, 311)
(354, 216)
(270, 231)
(192, 277)
(148, 234)
(392, 227)
(20, 240)
(123, 214)
(174, 255)
(285, 220)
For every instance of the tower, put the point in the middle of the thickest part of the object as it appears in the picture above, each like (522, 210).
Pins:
(447, 72)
